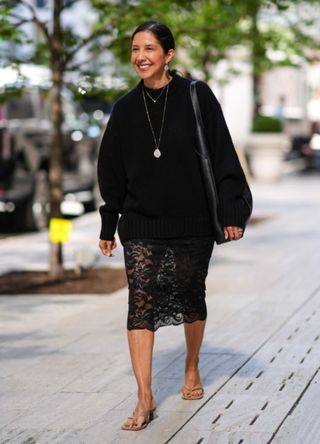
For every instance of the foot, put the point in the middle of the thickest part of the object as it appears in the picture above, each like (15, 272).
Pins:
(195, 392)
(141, 416)
(193, 388)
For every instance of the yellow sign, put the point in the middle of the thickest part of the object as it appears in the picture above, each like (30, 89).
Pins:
(60, 230)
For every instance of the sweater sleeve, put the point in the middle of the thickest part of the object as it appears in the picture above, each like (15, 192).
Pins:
(111, 179)
(229, 175)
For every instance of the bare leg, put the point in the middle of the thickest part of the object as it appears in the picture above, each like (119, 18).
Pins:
(194, 332)
(141, 350)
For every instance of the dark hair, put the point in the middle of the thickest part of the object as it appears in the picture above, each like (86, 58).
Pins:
(160, 31)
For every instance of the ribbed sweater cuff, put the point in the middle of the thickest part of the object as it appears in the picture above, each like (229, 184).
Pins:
(108, 225)
(233, 215)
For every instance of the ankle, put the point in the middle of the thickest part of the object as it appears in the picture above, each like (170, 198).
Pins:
(145, 396)
(192, 364)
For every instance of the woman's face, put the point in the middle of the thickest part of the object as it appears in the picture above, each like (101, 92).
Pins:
(148, 57)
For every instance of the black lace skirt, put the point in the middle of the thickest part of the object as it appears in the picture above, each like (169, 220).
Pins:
(166, 281)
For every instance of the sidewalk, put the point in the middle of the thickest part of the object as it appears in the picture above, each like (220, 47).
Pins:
(30, 251)
(65, 374)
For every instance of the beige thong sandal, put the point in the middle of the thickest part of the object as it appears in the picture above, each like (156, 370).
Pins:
(190, 391)
(148, 416)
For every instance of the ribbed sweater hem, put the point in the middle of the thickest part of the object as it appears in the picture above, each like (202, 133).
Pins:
(133, 226)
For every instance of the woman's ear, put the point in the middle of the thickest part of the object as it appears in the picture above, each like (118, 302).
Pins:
(170, 54)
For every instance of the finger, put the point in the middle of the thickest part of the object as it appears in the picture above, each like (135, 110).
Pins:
(239, 236)
(228, 233)
(235, 233)
(112, 245)
(106, 251)
(105, 248)
(239, 233)
(108, 248)
(231, 233)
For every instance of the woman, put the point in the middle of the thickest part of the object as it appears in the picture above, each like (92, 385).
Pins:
(148, 171)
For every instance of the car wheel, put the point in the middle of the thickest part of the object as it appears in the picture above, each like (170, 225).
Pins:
(37, 208)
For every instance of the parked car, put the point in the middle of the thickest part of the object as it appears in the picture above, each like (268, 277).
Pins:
(25, 133)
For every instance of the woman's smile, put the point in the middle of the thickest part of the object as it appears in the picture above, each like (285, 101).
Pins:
(144, 66)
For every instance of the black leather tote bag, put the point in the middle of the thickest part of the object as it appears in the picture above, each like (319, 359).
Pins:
(208, 176)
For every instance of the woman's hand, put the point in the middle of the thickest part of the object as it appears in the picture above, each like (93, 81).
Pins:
(106, 246)
(233, 233)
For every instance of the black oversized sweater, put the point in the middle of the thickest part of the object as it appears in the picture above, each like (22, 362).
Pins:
(164, 197)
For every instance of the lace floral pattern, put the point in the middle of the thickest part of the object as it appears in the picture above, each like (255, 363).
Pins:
(166, 281)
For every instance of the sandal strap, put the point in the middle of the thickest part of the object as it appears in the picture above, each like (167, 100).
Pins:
(192, 389)
(144, 414)
(131, 417)
(147, 416)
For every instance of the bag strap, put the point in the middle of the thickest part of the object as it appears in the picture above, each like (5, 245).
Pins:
(202, 149)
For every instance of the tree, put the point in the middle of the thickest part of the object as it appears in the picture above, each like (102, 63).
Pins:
(278, 27)
(58, 47)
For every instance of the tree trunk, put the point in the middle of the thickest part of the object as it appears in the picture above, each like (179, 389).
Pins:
(256, 94)
(258, 55)
(55, 171)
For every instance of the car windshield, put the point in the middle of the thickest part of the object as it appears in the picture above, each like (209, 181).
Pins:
(31, 104)
(20, 108)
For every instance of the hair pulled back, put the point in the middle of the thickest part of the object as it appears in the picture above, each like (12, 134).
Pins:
(160, 31)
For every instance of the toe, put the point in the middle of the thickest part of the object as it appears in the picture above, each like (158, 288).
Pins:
(191, 394)
(140, 421)
(197, 393)
(129, 422)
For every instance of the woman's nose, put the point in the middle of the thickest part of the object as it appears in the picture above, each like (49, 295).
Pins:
(141, 55)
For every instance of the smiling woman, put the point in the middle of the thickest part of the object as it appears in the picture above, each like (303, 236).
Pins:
(149, 173)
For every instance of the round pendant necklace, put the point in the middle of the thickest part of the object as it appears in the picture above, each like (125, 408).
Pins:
(156, 152)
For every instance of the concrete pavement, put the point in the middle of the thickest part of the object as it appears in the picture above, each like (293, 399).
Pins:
(65, 374)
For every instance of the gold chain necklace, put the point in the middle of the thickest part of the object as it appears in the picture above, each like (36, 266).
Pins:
(157, 152)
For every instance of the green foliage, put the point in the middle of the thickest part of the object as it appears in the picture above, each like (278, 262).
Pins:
(205, 30)
(266, 124)
(10, 92)
(208, 30)
(7, 31)
(41, 54)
